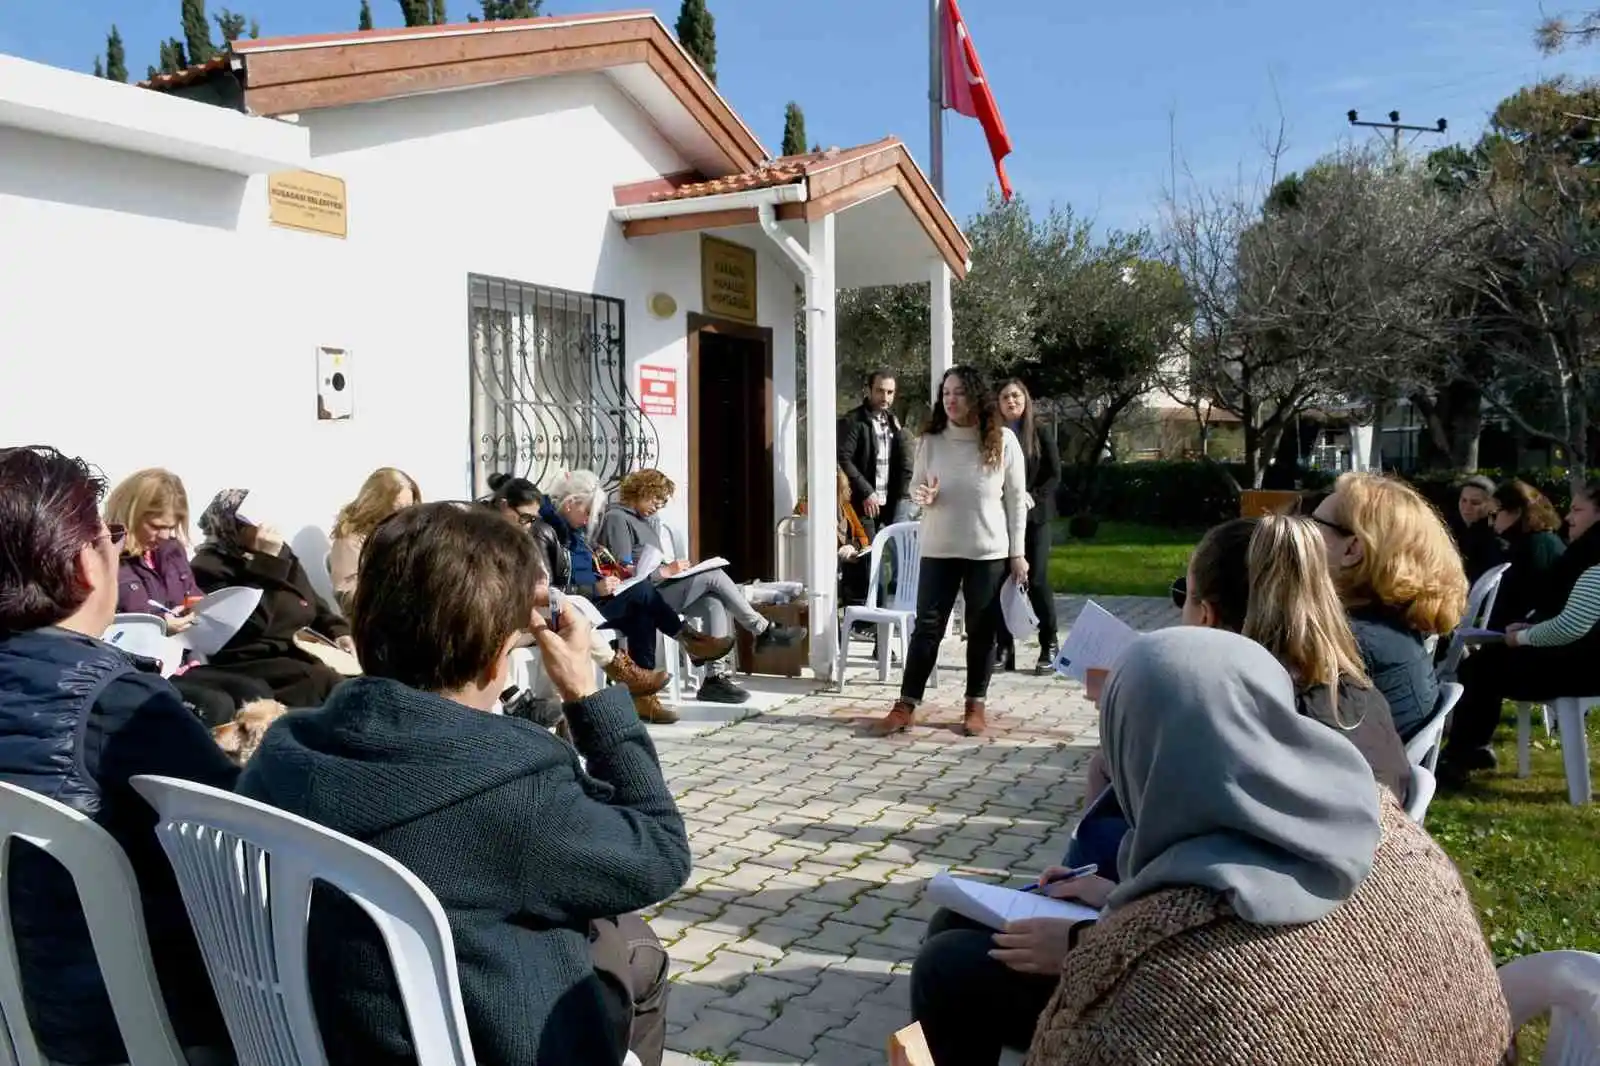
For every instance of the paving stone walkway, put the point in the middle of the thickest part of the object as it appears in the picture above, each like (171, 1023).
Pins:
(792, 942)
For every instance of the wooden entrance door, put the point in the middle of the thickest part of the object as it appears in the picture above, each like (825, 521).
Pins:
(730, 446)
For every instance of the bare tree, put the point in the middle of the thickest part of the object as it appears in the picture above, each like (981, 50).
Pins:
(1556, 33)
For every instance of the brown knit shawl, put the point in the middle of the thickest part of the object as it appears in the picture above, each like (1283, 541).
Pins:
(1398, 975)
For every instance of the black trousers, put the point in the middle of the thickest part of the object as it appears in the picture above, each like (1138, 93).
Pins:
(638, 612)
(1496, 673)
(217, 694)
(969, 1005)
(978, 580)
(629, 957)
(1040, 595)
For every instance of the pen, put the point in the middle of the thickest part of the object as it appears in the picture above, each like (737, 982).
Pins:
(1071, 875)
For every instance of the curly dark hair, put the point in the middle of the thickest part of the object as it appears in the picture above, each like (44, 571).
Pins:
(991, 431)
(1535, 513)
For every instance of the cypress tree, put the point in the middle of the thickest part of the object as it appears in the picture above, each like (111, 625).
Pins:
(116, 57)
(99, 70)
(794, 130)
(366, 16)
(697, 32)
(197, 31)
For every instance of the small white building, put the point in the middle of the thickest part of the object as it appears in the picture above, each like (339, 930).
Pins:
(523, 246)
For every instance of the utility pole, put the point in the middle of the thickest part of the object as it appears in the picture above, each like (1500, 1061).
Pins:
(1395, 125)
(936, 93)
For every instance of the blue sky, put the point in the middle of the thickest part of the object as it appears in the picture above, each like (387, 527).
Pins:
(1096, 95)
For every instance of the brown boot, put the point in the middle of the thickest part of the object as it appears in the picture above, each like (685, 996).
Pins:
(901, 716)
(651, 709)
(639, 681)
(973, 723)
(703, 649)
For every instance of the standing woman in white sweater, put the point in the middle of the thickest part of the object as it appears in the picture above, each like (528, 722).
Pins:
(968, 478)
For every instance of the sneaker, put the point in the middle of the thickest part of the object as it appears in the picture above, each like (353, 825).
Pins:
(973, 722)
(703, 649)
(720, 688)
(901, 716)
(650, 709)
(779, 637)
(638, 680)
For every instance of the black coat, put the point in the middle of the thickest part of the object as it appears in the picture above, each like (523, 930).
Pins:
(78, 719)
(1043, 473)
(858, 458)
(523, 848)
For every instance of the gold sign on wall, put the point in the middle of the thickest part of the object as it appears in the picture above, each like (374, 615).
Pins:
(315, 203)
(728, 278)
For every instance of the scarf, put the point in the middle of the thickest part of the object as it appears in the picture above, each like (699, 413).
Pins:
(220, 520)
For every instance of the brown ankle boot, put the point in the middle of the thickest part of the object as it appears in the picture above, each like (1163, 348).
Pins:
(901, 716)
(973, 723)
(703, 649)
(651, 709)
(639, 681)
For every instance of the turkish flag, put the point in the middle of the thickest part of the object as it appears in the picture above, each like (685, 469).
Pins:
(966, 90)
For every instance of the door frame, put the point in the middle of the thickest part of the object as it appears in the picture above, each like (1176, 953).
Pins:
(697, 325)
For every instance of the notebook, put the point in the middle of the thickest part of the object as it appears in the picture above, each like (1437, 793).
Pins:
(995, 906)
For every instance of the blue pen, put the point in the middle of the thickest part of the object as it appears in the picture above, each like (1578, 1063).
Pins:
(1071, 875)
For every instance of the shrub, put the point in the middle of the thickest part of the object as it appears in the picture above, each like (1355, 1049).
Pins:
(1189, 494)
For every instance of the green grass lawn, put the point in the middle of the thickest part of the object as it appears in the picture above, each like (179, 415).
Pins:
(1123, 559)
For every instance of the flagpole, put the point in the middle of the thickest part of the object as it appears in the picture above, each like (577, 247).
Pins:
(936, 93)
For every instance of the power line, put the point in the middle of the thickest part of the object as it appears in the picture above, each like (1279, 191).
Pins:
(1394, 124)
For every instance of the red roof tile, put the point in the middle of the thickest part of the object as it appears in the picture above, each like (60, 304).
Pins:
(191, 74)
(785, 170)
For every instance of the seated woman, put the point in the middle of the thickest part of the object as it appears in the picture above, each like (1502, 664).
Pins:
(1546, 661)
(1400, 578)
(538, 851)
(153, 577)
(518, 500)
(78, 719)
(855, 550)
(1526, 522)
(1274, 906)
(242, 552)
(637, 612)
(385, 491)
(631, 525)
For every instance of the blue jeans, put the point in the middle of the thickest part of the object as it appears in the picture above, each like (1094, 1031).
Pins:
(638, 613)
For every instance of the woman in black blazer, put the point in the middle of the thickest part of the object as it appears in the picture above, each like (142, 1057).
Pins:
(1044, 477)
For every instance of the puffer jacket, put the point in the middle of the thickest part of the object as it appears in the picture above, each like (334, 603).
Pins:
(78, 719)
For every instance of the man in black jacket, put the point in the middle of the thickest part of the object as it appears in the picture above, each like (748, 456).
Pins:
(78, 719)
(539, 851)
(875, 454)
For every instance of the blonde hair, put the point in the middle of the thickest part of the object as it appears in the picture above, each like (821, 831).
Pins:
(644, 485)
(1409, 563)
(144, 495)
(374, 503)
(1294, 610)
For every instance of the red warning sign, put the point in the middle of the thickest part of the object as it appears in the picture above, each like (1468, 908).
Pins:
(658, 389)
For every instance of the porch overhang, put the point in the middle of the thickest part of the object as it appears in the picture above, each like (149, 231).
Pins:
(890, 223)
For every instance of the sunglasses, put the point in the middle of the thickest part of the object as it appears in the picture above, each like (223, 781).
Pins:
(1328, 523)
(1180, 592)
(115, 533)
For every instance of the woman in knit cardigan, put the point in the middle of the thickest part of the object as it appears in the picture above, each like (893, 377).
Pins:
(1275, 905)
(968, 479)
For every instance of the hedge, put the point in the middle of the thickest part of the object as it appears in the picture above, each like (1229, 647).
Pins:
(1190, 494)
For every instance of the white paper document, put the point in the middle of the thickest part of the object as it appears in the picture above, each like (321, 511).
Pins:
(1095, 642)
(644, 567)
(995, 906)
(1016, 611)
(717, 563)
(218, 618)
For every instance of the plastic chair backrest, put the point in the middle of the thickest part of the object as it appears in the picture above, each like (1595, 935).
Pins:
(907, 540)
(1480, 606)
(1423, 785)
(246, 871)
(146, 635)
(1566, 985)
(1423, 748)
(109, 896)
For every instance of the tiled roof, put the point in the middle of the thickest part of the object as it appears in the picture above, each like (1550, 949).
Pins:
(785, 170)
(191, 74)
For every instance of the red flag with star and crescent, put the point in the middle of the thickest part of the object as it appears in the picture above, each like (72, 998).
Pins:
(967, 92)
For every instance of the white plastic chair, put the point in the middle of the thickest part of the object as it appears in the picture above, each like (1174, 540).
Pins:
(1423, 786)
(1566, 986)
(146, 635)
(896, 618)
(1423, 748)
(109, 896)
(1480, 606)
(1568, 713)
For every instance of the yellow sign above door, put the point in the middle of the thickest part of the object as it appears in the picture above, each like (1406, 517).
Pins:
(315, 203)
(728, 279)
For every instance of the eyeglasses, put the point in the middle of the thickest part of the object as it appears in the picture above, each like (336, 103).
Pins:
(1180, 592)
(115, 533)
(527, 520)
(1328, 523)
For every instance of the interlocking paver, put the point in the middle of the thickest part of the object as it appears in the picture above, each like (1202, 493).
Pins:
(813, 846)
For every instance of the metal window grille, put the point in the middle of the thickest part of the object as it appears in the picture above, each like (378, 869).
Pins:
(549, 385)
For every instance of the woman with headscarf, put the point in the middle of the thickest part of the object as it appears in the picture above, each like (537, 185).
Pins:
(1275, 905)
(240, 551)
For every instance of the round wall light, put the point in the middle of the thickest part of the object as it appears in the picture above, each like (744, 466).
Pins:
(663, 305)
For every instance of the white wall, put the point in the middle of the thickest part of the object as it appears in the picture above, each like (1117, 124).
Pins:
(149, 315)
